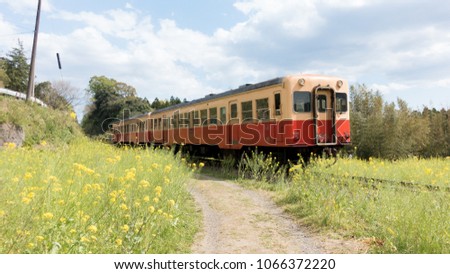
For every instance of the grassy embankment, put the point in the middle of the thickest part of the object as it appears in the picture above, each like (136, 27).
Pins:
(39, 124)
(89, 197)
(390, 217)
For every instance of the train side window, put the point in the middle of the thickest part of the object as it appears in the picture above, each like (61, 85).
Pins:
(322, 102)
(204, 117)
(186, 118)
(223, 115)
(302, 101)
(196, 118)
(191, 119)
(277, 104)
(247, 111)
(341, 102)
(262, 109)
(213, 116)
(233, 111)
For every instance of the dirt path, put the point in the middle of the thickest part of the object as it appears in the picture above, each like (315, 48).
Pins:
(237, 220)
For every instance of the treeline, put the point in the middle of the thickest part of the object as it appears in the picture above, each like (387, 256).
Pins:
(158, 104)
(393, 131)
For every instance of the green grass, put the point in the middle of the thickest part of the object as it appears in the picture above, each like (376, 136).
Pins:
(39, 124)
(90, 197)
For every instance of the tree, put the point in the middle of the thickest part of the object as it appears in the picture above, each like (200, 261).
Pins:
(17, 69)
(393, 131)
(158, 104)
(110, 99)
(4, 79)
(58, 95)
(366, 117)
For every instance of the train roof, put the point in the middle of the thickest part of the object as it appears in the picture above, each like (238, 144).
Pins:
(241, 89)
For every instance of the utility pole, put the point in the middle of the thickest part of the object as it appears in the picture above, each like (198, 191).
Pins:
(30, 91)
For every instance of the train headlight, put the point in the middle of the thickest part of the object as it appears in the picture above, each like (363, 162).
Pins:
(339, 83)
(301, 82)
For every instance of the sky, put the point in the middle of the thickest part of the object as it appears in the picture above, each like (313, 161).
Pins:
(189, 49)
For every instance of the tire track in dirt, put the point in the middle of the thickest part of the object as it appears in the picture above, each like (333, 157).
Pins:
(242, 221)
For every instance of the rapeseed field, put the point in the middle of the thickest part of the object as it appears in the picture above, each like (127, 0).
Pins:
(394, 206)
(90, 197)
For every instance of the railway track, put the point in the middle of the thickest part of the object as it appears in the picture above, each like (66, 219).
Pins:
(405, 184)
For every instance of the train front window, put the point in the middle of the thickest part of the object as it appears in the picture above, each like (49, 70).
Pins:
(341, 102)
(302, 101)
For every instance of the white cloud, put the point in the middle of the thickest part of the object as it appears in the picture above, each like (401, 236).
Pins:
(27, 6)
(7, 30)
(266, 17)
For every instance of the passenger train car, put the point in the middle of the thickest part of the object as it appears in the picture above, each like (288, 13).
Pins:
(286, 116)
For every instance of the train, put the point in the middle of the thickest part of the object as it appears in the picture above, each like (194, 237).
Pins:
(290, 116)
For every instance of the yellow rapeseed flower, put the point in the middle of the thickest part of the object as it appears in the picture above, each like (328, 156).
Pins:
(2, 213)
(171, 203)
(147, 199)
(92, 229)
(125, 228)
(151, 209)
(156, 200)
(73, 115)
(47, 216)
(144, 184)
(27, 175)
(39, 238)
(201, 165)
(158, 189)
(118, 242)
(123, 207)
(9, 145)
(167, 168)
(26, 200)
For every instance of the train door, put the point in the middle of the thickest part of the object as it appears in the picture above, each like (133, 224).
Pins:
(324, 116)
